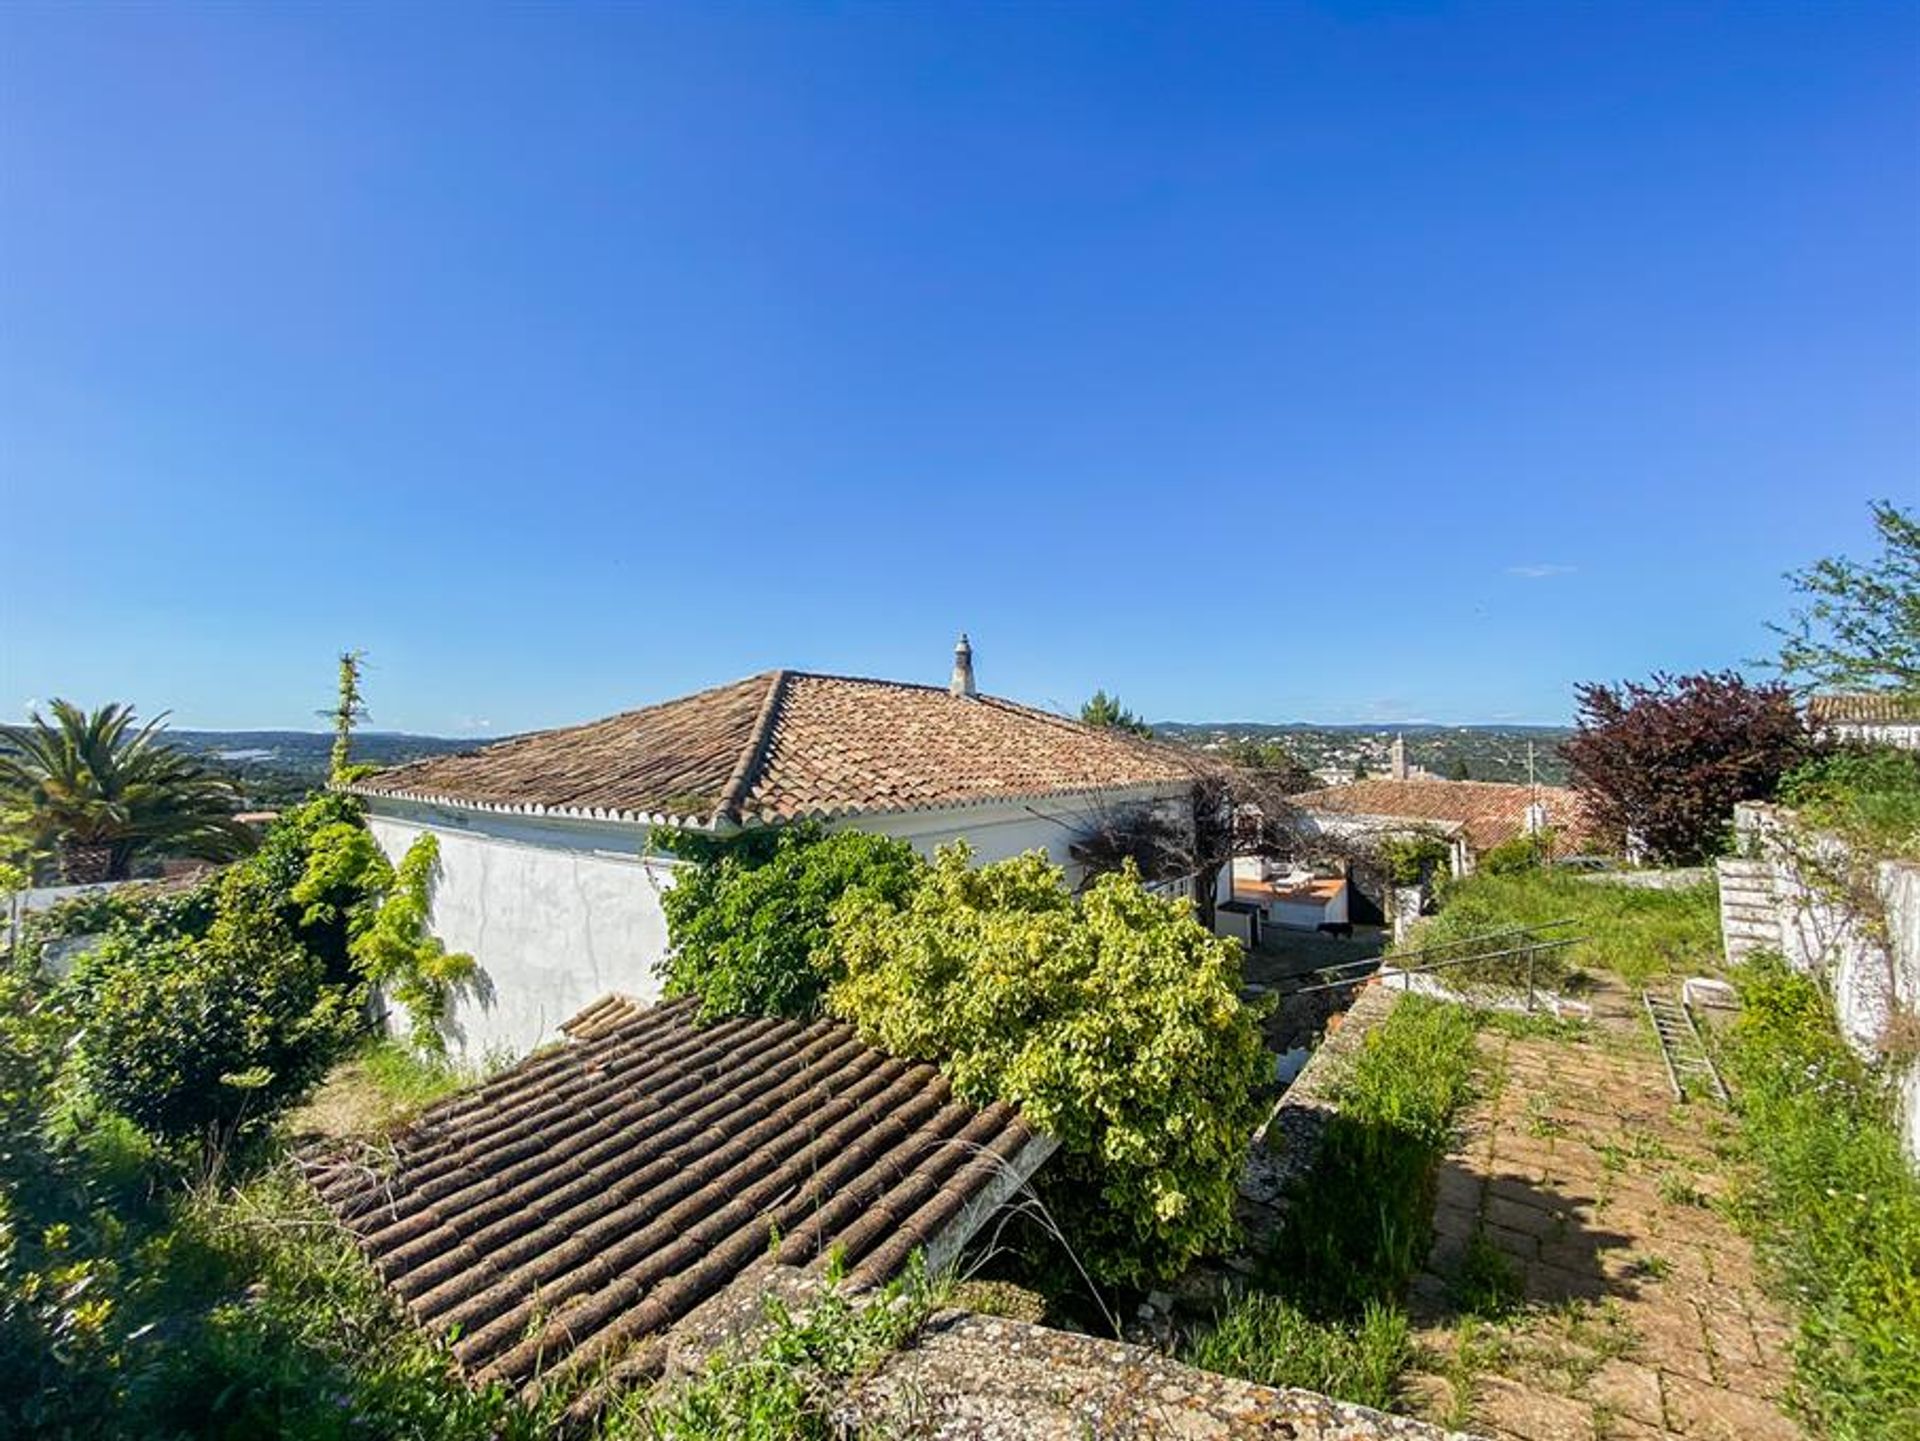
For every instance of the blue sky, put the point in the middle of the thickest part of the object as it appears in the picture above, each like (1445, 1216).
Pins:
(1339, 363)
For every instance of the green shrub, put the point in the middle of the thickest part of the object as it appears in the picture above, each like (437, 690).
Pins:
(749, 917)
(1265, 1339)
(1834, 1208)
(1414, 860)
(212, 1036)
(1634, 931)
(1517, 856)
(1112, 1019)
(1868, 794)
(1358, 1225)
(396, 952)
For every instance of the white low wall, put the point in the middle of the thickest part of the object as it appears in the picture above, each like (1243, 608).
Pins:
(1870, 965)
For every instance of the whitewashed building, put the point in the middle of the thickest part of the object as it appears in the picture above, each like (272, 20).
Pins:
(549, 875)
(1880, 718)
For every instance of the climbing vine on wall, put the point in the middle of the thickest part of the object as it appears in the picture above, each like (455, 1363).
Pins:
(397, 952)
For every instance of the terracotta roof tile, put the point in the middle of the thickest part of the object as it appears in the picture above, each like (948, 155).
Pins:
(1489, 811)
(566, 1213)
(1864, 709)
(789, 744)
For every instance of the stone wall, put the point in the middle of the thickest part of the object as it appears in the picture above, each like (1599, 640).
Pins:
(1854, 926)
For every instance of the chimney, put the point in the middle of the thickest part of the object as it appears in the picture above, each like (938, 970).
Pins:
(962, 682)
(1397, 758)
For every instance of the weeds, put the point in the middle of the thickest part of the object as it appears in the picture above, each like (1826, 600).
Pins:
(1487, 1283)
(1834, 1209)
(1266, 1339)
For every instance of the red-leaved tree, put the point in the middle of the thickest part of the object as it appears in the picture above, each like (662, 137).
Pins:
(1659, 764)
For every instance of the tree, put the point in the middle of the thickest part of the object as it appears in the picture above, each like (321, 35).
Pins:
(1860, 628)
(1659, 765)
(100, 793)
(749, 915)
(1458, 770)
(1106, 713)
(1112, 1019)
(1270, 760)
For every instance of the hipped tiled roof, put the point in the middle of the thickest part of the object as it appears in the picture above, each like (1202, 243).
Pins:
(1488, 811)
(566, 1213)
(1882, 708)
(786, 745)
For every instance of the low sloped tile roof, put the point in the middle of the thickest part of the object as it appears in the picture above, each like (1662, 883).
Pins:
(1488, 811)
(565, 1214)
(1881, 708)
(787, 745)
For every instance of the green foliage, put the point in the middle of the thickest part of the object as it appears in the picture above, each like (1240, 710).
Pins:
(1271, 760)
(1869, 795)
(1265, 1339)
(1487, 1284)
(1834, 1206)
(398, 953)
(750, 915)
(101, 794)
(785, 1387)
(210, 1036)
(1104, 712)
(348, 711)
(1358, 1226)
(1518, 856)
(1860, 627)
(1633, 931)
(1414, 859)
(1112, 1019)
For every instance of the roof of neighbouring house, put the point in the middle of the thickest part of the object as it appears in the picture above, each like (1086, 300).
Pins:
(1878, 708)
(1488, 811)
(785, 745)
(568, 1212)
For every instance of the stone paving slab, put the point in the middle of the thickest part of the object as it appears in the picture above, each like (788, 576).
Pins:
(1639, 1312)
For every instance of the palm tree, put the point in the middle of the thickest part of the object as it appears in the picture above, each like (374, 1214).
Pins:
(99, 794)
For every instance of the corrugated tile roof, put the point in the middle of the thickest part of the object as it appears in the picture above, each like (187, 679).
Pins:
(786, 745)
(1879, 708)
(569, 1211)
(1489, 811)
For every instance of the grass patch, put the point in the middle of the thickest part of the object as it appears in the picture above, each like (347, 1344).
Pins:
(783, 1387)
(1635, 932)
(1266, 1339)
(1328, 1316)
(1833, 1209)
(1486, 1284)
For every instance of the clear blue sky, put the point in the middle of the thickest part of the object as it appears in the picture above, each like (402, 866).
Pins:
(1339, 363)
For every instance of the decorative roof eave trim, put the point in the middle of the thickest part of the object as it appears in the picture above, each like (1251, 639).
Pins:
(1132, 790)
(608, 814)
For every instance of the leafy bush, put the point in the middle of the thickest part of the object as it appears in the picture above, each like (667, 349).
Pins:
(1517, 856)
(1663, 762)
(1112, 1019)
(1414, 860)
(750, 916)
(1637, 932)
(208, 1036)
(1834, 1206)
(1265, 1339)
(396, 951)
(1357, 1226)
(1870, 795)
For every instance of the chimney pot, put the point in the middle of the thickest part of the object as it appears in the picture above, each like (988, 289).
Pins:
(962, 682)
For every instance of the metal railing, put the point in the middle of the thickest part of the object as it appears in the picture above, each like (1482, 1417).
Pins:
(1526, 957)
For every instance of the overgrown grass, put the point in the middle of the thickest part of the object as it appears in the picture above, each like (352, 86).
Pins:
(1835, 1210)
(783, 1387)
(1635, 932)
(1267, 1339)
(1358, 1226)
(1868, 795)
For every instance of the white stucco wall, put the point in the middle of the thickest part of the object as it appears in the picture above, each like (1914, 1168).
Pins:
(558, 912)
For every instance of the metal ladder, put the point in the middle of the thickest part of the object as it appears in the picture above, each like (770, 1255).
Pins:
(1682, 1048)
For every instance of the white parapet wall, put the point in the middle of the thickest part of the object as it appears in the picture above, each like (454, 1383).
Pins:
(1856, 928)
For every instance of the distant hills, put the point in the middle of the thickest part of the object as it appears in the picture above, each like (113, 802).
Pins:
(276, 768)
